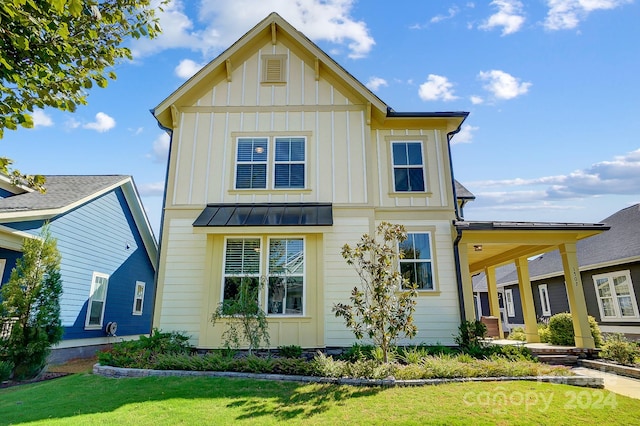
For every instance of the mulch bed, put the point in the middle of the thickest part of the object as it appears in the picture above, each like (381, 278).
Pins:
(41, 378)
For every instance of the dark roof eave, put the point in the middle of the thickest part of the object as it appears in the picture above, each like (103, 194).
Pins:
(445, 114)
(533, 226)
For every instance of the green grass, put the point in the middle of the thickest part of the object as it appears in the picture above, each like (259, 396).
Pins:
(89, 399)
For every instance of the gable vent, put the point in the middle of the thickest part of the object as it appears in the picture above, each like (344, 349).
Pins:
(273, 67)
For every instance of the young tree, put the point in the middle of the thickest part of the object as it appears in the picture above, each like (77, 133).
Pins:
(52, 51)
(383, 307)
(245, 319)
(31, 300)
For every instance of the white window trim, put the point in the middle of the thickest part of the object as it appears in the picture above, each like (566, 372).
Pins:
(304, 276)
(508, 302)
(3, 264)
(616, 306)
(135, 298)
(544, 299)
(430, 261)
(88, 326)
(270, 178)
(422, 166)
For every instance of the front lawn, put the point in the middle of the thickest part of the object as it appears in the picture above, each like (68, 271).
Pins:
(89, 399)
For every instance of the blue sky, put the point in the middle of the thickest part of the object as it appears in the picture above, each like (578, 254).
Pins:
(551, 86)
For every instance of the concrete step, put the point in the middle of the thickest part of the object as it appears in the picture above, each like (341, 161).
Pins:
(558, 359)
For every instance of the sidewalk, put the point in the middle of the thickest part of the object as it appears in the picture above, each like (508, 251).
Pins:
(619, 384)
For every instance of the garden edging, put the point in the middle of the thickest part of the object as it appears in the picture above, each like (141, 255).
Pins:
(621, 370)
(119, 372)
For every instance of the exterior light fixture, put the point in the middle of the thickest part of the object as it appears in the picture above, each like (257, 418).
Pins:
(477, 247)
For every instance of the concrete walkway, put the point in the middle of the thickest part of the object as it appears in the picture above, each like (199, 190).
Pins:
(619, 384)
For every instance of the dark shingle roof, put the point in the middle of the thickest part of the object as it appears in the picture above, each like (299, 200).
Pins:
(621, 241)
(462, 192)
(61, 191)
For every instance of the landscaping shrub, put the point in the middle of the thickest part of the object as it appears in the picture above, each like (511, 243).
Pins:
(517, 333)
(561, 330)
(514, 353)
(470, 334)
(143, 352)
(291, 351)
(617, 348)
(543, 332)
(357, 352)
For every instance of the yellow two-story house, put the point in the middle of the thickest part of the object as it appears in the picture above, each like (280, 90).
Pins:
(279, 157)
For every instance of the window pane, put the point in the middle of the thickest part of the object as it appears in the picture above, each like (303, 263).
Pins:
(296, 176)
(283, 150)
(95, 316)
(607, 307)
(424, 276)
(414, 152)
(626, 306)
(297, 149)
(251, 176)
(232, 287)
(138, 305)
(245, 150)
(421, 243)
(282, 176)
(401, 177)
(408, 271)
(603, 288)
(400, 154)
(277, 289)
(416, 179)
(621, 285)
(294, 296)
(242, 257)
(406, 247)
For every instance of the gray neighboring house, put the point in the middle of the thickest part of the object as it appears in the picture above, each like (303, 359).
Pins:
(610, 271)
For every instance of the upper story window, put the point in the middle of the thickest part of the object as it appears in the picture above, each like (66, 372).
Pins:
(616, 298)
(416, 265)
(257, 168)
(408, 167)
(138, 298)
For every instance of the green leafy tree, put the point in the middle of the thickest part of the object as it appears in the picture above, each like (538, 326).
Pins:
(31, 301)
(246, 321)
(382, 308)
(53, 51)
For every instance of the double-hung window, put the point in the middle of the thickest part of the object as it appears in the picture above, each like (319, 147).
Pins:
(616, 298)
(241, 266)
(258, 168)
(97, 301)
(286, 276)
(416, 264)
(138, 298)
(408, 166)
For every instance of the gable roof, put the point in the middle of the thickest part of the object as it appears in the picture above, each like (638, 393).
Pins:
(65, 193)
(273, 27)
(620, 244)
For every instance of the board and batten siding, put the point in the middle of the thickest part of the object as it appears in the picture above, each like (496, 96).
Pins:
(100, 236)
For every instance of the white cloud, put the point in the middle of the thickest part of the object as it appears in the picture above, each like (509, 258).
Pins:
(102, 124)
(509, 17)
(220, 23)
(375, 83)
(453, 11)
(567, 14)
(620, 176)
(465, 135)
(160, 148)
(476, 100)
(153, 189)
(187, 68)
(503, 85)
(41, 119)
(436, 88)
(136, 131)
(72, 123)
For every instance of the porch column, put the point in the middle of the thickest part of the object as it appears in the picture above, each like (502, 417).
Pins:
(492, 289)
(575, 293)
(526, 300)
(467, 284)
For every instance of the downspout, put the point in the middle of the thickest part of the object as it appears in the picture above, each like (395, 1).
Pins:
(164, 200)
(456, 248)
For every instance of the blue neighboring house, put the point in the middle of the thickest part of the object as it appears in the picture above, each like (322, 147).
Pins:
(108, 250)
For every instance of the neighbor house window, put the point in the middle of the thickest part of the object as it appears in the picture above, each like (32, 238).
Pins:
(508, 298)
(286, 276)
(544, 300)
(257, 168)
(97, 300)
(616, 298)
(138, 298)
(241, 264)
(416, 264)
(408, 167)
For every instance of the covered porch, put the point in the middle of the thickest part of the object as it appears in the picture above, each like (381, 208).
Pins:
(484, 246)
